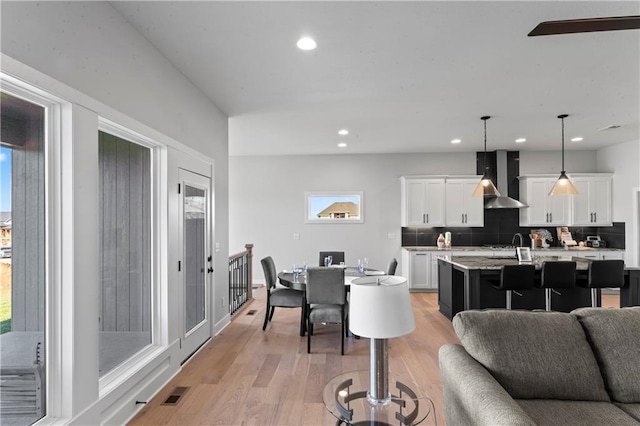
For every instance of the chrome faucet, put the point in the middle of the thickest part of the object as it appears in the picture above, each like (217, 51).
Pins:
(519, 237)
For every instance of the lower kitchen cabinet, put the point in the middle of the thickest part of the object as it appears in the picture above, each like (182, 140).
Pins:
(419, 270)
(422, 266)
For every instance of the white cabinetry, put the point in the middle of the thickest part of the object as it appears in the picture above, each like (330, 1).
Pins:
(592, 203)
(423, 201)
(463, 209)
(543, 210)
(418, 265)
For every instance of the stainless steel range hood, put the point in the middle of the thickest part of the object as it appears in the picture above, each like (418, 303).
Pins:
(503, 201)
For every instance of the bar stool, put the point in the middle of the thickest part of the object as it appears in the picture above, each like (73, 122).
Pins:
(556, 274)
(513, 278)
(603, 274)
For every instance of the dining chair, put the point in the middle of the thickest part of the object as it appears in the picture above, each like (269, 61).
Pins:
(279, 296)
(326, 301)
(391, 267)
(338, 256)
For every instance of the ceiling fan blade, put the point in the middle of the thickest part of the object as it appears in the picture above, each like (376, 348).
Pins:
(586, 25)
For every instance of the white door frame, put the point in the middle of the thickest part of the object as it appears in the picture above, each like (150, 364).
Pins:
(180, 160)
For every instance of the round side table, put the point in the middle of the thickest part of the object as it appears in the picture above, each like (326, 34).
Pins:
(345, 396)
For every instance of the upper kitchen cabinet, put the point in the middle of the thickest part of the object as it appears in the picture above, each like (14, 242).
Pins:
(592, 204)
(463, 209)
(423, 201)
(543, 210)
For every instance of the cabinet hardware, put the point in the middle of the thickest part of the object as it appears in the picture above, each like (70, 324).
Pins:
(595, 217)
(550, 217)
(427, 217)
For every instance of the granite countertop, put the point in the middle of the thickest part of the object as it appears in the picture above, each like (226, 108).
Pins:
(510, 249)
(495, 263)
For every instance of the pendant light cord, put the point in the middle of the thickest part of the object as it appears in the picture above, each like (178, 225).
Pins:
(562, 117)
(485, 118)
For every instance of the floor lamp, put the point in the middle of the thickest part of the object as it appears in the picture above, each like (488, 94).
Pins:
(380, 309)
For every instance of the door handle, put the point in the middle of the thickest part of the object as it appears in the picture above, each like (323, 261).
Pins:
(595, 216)
(210, 269)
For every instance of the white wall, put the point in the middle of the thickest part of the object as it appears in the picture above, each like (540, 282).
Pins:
(550, 162)
(86, 53)
(624, 161)
(266, 201)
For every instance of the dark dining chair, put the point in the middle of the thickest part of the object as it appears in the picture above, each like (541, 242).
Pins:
(279, 296)
(337, 257)
(326, 301)
(391, 267)
(603, 274)
(556, 274)
(513, 279)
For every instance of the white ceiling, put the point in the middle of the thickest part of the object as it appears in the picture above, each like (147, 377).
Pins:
(402, 76)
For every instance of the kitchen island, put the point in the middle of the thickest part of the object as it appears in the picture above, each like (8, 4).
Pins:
(465, 282)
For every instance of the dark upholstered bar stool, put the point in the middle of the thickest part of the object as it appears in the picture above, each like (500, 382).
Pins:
(556, 274)
(603, 274)
(514, 278)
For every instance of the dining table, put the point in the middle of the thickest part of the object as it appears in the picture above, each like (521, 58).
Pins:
(299, 282)
(287, 278)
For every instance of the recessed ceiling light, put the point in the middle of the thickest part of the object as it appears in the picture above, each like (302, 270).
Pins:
(521, 140)
(307, 43)
(578, 139)
(454, 141)
(342, 145)
(343, 132)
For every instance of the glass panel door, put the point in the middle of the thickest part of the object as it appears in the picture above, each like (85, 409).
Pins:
(195, 262)
(194, 259)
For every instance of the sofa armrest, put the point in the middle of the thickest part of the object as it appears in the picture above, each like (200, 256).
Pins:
(472, 396)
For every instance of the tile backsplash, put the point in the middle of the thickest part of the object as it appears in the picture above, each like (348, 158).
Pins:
(500, 225)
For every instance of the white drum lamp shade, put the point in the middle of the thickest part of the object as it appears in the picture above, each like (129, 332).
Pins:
(380, 307)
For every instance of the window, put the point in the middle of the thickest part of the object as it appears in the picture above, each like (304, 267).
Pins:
(22, 260)
(125, 249)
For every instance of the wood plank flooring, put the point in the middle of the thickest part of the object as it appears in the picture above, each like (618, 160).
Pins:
(246, 376)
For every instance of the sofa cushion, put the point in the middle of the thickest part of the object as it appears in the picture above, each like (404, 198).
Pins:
(614, 335)
(579, 413)
(533, 354)
(631, 409)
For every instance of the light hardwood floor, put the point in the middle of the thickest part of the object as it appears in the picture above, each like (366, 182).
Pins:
(246, 376)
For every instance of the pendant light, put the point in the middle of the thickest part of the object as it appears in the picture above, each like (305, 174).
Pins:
(485, 187)
(563, 185)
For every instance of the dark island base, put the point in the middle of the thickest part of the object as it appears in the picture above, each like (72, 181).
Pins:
(460, 289)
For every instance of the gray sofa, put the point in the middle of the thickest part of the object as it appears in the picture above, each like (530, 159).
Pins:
(543, 368)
